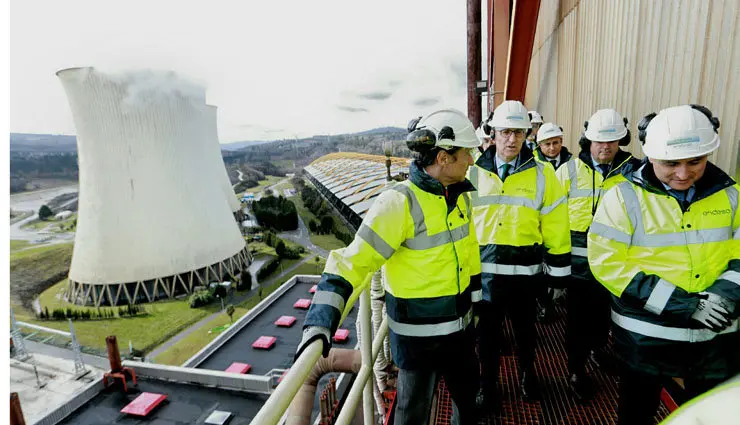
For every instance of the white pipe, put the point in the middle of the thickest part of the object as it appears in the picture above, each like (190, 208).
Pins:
(367, 356)
(353, 398)
(43, 329)
(273, 409)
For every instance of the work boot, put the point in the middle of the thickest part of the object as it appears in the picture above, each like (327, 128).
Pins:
(528, 385)
(581, 385)
(488, 402)
(603, 360)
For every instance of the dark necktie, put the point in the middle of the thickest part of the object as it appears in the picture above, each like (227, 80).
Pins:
(505, 171)
(604, 168)
(554, 163)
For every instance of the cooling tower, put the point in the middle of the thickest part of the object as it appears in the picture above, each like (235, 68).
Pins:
(216, 160)
(150, 224)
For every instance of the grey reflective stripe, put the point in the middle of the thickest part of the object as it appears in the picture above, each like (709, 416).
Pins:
(573, 176)
(508, 269)
(476, 296)
(375, 241)
(518, 201)
(557, 271)
(737, 234)
(417, 215)
(669, 333)
(434, 329)
(421, 239)
(659, 296)
(640, 238)
(719, 234)
(585, 193)
(732, 195)
(329, 298)
(730, 275)
(632, 205)
(539, 198)
(551, 207)
(431, 241)
(578, 251)
(610, 233)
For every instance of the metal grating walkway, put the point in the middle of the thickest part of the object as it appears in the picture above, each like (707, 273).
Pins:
(556, 406)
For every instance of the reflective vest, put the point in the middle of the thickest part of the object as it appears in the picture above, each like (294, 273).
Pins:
(431, 258)
(652, 255)
(564, 155)
(522, 222)
(585, 187)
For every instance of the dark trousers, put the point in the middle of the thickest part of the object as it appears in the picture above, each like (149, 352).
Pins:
(589, 320)
(639, 395)
(415, 388)
(514, 296)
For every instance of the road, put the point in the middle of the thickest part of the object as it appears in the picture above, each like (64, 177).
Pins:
(32, 201)
(301, 236)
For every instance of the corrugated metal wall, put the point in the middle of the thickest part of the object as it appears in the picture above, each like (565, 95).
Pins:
(638, 56)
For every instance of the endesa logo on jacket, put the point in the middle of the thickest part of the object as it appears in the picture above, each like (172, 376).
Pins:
(718, 212)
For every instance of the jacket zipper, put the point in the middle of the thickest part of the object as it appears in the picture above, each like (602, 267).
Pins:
(457, 259)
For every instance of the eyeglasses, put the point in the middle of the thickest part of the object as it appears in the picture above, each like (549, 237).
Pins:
(517, 132)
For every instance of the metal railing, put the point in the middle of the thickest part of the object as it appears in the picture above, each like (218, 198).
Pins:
(274, 409)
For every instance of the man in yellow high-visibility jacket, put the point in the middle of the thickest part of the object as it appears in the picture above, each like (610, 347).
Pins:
(666, 243)
(598, 167)
(521, 217)
(422, 230)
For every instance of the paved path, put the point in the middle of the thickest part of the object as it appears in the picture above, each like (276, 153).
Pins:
(32, 201)
(235, 300)
(302, 236)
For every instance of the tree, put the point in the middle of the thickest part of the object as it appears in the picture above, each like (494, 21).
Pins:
(268, 192)
(45, 212)
(317, 260)
(230, 311)
(313, 226)
(327, 224)
(280, 249)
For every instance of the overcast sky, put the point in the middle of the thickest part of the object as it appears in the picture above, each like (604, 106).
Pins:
(275, 69)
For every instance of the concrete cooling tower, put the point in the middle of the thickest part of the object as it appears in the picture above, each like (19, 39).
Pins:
(214, 157)
(152, 219)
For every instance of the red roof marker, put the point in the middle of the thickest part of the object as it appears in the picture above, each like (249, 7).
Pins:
(341, 335)
(264, 342)
(313, 289)
(144, 404)
(302, 303)
(237, 367)
(285, 321)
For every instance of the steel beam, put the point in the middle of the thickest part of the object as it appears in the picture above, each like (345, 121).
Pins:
(474, 60)
(523, 30)
(498, 50)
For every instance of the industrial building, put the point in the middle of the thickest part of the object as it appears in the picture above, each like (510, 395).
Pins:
(154, 220)
(351, 182)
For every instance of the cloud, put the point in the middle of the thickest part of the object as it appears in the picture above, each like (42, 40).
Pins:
(426, 101)
(378, 95)
(351, 109)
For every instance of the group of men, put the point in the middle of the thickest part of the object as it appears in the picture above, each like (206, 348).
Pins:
(649, 249)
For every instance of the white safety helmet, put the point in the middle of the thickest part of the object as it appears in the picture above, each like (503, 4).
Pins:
(535, 117)
(445, 128)
(606, 125)
(548, 131)
(510, 114)
(680, 132)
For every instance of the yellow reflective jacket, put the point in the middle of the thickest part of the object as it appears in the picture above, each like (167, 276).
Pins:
(423, 234)
(565, 156)
(655, 255)
(585, 187)
(521, 222)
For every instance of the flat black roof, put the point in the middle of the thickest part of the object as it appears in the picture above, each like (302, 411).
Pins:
(239, 347)
(185, 404)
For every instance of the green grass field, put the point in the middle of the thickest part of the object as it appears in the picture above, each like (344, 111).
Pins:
(328, 242)
(16, 245)
(34, 270)
(188, 346)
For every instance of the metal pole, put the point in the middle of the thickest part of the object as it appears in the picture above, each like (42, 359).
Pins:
(80, 369)
(18, 342)
(474, 58)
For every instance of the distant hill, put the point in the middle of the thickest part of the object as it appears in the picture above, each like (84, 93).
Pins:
(235, 146)
(42, 143)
